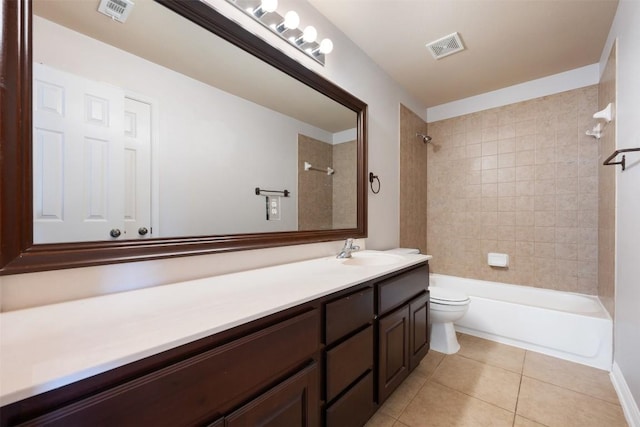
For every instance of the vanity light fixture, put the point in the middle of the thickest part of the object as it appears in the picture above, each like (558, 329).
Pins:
(264, 11)
(290, 22)
(309, 35)
(326, 46)
(265, 6)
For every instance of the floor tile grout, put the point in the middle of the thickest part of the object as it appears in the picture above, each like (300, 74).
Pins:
(473, 397)
(572, 390)
(515, 412)
(430, 379)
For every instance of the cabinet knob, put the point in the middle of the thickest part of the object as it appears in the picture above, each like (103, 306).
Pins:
(115, 233)
(142, 231)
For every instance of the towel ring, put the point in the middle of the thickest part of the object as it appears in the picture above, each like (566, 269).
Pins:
(373, 177)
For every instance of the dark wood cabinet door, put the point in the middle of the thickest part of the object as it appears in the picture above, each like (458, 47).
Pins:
(293, 403)
(348, 314)
(398, 290)
(355, 407)
(393, 357)
(348, 361)
(200, 388)
(419, 329)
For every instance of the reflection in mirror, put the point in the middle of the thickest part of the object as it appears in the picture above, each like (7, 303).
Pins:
(157, 128)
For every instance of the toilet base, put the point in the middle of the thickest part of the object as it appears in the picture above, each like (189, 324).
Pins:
(443, 338)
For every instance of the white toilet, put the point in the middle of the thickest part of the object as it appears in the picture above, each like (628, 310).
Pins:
(446, 306)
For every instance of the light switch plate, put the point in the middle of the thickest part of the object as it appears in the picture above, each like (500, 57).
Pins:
(273, 208)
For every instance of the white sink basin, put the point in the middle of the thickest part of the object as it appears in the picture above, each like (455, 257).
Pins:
(372, 258)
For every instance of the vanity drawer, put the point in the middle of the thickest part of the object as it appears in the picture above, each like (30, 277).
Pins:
(347, 361)
(202, 387)
(397, 290)
(348, 314)
(355, 407)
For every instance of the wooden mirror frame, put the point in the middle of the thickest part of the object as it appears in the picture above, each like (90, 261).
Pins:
(18, 254)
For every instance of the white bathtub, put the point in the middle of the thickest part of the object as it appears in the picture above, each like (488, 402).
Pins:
(570, 326)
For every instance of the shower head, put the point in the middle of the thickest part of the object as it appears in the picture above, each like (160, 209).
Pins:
(425, 138)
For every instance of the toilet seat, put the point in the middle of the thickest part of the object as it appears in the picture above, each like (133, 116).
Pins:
(447, 296)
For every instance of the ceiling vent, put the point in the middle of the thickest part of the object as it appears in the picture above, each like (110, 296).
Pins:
(117, 10)
(445, 46)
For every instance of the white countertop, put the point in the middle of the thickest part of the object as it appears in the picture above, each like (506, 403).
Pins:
(47, 347)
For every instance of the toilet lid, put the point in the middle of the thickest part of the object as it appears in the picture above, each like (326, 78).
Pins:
(447, 296)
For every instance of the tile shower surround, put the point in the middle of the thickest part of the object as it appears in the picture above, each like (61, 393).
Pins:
(413, 178)
(607, 190)
(327, 202)
(523, 180)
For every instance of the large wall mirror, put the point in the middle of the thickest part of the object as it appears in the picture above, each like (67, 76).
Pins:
(174, 133)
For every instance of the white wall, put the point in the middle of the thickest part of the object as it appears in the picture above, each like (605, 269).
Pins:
(349, 68)
(626, 28)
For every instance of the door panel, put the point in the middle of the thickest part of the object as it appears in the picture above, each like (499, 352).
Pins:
(293, 403)
(419, 338)
(92, 160)
(78, 157)
(137, 168)
(393, 337)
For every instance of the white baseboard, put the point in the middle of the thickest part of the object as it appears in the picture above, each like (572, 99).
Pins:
(629, 406)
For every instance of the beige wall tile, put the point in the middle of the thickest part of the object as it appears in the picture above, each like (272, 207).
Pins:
(315, 190)
(414, 176)
(529, 164)
(507, 146)
(506, 174)
(525, 172)
(345, 200)
(490, 134)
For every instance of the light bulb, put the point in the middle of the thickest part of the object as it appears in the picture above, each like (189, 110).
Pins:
(326, 46)
(309, 35)
(291, 20)
(269, 5)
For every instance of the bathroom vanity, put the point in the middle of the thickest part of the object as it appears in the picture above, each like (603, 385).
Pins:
(313, 343)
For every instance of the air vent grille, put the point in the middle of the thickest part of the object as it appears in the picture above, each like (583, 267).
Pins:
(445, 46)
(116, 9)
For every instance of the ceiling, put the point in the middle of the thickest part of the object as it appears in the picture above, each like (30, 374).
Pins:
(507, 41)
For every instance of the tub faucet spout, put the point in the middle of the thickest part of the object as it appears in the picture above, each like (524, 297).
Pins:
(347, 249)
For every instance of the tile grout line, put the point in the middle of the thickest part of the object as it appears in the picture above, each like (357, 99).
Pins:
(489, 364)
(428, 378)
(571, 390)
(474, 397)
(515, 412)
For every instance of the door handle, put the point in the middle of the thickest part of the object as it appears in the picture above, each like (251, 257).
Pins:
(115, 233)
(142, 231)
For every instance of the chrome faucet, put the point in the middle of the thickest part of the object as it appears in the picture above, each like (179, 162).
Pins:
(347, 249)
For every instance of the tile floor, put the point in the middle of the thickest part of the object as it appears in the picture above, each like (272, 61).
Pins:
(492, 384)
